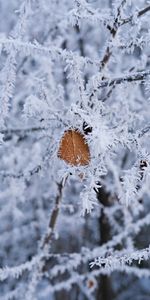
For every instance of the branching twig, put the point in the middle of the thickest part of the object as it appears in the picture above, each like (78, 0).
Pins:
(113, 31)
(139, 76)
(45, 242)
(139, 14)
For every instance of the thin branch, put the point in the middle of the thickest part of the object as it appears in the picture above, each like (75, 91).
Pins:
(143, 11)
(21, 174)
(44, 246)
(139, 14)
(144, 131)
(108, 93)
(67, 283)
(113, 31)
(139, 76)
(108, 52)
(127, 78)
(39, 49)
(54, 215)
(22, 131)
(114, 28)
(120, 260)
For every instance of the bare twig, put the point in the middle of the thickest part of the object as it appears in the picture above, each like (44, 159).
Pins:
(144, 130)
(54, 215)
(108, 93)
(114, 28)
(40, 267)
(108, 52)
(22, 131)
(139, 76)
(21, 174)
(113, 31)
(139, 14)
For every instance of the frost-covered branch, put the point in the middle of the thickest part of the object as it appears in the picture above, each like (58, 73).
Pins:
(21, 174)
(36, 48)
(22, 131)
(128, 258)
(54, 214)
(138, 14)
(17, 271)
(139, 76)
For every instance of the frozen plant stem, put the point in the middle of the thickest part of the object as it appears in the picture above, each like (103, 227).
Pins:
(113, 30)
(138, 76)
(55, 213)
(40, 267)
(139, 14)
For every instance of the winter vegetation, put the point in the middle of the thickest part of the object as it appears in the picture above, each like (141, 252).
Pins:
(74, 149)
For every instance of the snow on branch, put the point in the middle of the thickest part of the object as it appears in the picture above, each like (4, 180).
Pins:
(17, 271)
(78, 278)
(139, 76)
(84, 11)
(113, 260)
(138, 14)
(29, 48)
(27, 174)
(8, 79)
(74, 260)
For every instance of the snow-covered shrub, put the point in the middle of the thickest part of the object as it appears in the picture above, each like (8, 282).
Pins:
(74, 231)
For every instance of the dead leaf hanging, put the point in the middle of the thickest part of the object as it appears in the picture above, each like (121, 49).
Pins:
(74, 149)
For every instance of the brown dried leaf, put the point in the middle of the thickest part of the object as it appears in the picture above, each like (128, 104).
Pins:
(74, 149)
